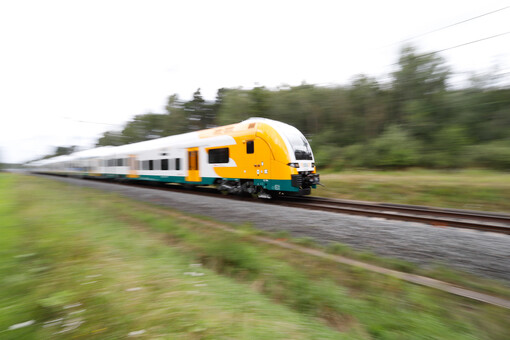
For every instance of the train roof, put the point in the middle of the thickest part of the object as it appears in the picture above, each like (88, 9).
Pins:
(287, 131)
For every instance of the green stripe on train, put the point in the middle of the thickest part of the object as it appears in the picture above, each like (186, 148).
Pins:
(268, 184)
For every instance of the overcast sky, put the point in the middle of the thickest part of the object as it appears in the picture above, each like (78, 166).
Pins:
(70, 70)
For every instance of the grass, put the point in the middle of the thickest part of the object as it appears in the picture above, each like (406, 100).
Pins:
(104, 266)
(463, 189)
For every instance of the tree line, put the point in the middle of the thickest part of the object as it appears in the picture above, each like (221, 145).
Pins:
(414, 120)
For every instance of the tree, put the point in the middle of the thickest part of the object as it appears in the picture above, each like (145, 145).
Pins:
(144, 127)
(197, 111)
(64, 150)
(113, 138)
(176, 121)
(368, 107)
(419, 94)
(216, 107)
(420, 77)
(235, 107)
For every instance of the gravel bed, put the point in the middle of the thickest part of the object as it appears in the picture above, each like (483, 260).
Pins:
(481, 253)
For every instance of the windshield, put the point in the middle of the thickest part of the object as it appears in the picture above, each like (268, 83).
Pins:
(300, 145)
(294, 139)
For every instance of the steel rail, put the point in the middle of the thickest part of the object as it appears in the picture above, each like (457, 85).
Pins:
(468, 219)
(493, 222)
(419, 209)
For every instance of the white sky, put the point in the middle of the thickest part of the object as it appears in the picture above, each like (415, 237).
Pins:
(64, 64)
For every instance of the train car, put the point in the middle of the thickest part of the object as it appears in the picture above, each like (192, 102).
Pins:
(258, 156)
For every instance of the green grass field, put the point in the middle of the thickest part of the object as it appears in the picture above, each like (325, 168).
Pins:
(80, 263)
(466, 189)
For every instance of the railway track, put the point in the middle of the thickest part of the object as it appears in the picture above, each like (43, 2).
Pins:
(469, 219)
(439, 217)
(478, 220)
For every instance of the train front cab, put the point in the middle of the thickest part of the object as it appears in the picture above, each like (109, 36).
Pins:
(293, 169)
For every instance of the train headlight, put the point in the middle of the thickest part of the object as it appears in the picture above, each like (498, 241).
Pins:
(294, 165)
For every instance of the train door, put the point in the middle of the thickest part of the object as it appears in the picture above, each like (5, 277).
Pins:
(193, 166)
(132, 167)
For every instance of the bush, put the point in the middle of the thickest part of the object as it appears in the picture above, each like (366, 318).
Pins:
(356, 155)
(393, 149)
(495, 155)
(326, 155)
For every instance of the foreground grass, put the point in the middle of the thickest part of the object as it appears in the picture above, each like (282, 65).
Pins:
(466, 189)
(82, 263)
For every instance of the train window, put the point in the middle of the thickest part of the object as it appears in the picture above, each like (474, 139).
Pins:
(218, 155)
(164, 164)
(145, 165)
(151, 165)
(157, 164)
(250, 147)
(177, 164)
(119, 162)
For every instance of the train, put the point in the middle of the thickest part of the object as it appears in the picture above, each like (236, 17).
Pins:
(258, 156)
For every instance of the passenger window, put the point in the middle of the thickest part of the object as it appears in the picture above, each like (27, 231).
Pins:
(177, 164)
(164, 164)
(151, 165)
(219, 155)
(250, 148)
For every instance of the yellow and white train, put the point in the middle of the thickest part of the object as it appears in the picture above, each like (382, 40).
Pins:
(257, 156)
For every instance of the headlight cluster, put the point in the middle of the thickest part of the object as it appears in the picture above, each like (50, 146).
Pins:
(296, 165)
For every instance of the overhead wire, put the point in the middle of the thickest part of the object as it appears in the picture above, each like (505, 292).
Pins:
(448, 26)
(467, 43)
